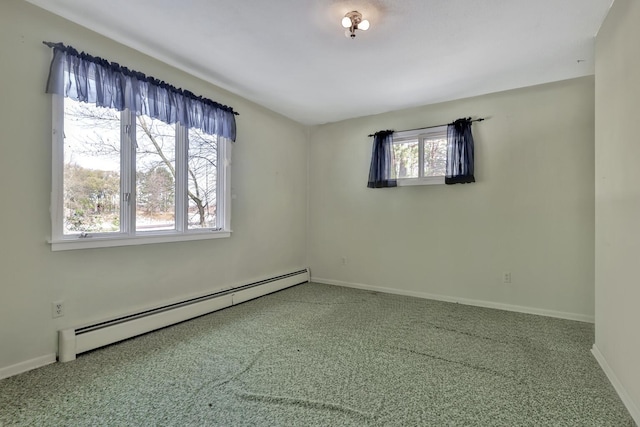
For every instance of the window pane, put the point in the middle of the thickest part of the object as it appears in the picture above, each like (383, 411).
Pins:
(435, 157)
(155, 175)
(406, 156)
(203, 159)
(91, 179)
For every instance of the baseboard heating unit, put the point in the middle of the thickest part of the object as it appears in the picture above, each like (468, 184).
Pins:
(72, 342)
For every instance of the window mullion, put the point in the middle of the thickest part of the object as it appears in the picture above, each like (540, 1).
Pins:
(128, 171)
(421, 157)
(181, 180)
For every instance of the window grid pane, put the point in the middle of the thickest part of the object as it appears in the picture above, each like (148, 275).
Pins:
(406, 159)
(155, 175)
(91, 174)
(202, 180)
(435, 157)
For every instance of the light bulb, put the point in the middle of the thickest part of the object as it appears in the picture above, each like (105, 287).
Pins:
(363, 25)
(346, 22)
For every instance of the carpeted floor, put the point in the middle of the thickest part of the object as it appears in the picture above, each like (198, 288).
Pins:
(324, 355)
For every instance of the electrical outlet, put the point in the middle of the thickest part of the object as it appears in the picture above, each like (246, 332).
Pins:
(506, 277)
(57, 309)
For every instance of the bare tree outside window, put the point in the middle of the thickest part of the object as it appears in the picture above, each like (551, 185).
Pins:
(92, 175)
(155, 174)
(202, 158)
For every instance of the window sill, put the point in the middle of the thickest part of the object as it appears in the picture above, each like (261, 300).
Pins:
(73, 243)
(432, 180)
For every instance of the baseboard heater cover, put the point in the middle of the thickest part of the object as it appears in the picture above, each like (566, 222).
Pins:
(72, 342)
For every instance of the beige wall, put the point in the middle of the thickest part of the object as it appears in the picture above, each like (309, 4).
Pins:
(530, 212)
(269, 212)
(617, 198)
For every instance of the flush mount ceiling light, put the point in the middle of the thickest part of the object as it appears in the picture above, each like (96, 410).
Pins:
(353, 21)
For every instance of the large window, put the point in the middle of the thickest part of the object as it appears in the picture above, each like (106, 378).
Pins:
(122, 179)
(420, 156)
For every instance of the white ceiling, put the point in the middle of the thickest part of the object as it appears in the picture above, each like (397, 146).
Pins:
(292, 57)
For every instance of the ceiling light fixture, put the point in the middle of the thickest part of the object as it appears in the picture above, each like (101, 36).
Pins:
(353, 21)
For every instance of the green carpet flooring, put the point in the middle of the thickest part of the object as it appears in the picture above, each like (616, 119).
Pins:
(320, 355)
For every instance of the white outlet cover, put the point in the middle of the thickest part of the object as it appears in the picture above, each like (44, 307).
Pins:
(57, 309)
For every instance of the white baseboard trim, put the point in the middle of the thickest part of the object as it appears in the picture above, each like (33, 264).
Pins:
(465, 301)
(617, 385)
(235, 294)
(27, 365)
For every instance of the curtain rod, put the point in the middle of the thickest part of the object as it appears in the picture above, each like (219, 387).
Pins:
(436, 126)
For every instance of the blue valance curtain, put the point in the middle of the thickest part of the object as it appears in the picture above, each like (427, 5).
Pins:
(459, 153)
(86, 78)
(382, 172)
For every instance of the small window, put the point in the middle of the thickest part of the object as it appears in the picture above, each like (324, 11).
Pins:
(420, 156)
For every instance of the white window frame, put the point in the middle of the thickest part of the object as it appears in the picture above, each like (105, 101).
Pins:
(421, 135)
(128, 235)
